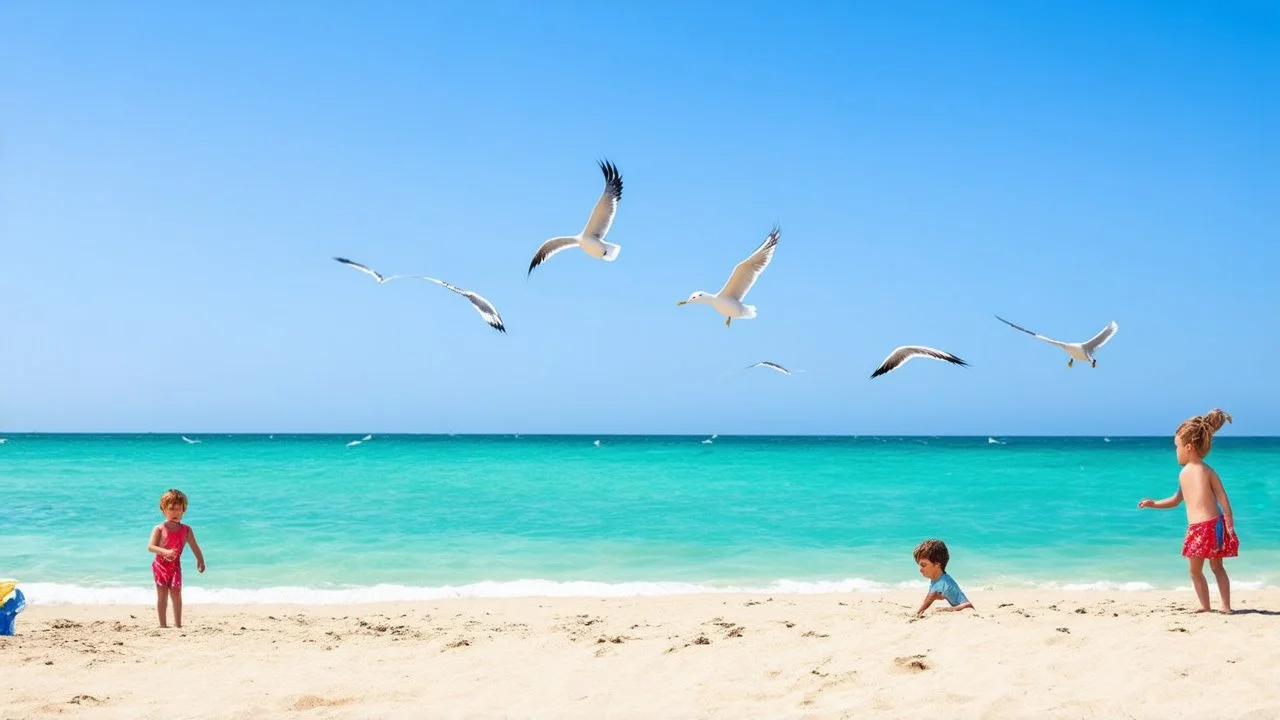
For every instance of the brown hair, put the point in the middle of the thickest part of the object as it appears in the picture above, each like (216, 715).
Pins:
(173, 498)
(934, 551)
(1199, 430)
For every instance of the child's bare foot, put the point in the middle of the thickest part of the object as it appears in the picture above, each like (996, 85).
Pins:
(1226, 611)
(1201, 610)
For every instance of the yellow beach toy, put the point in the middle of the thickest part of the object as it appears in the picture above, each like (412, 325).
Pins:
(11, 603)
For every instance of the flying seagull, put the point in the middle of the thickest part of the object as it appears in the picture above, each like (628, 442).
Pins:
(1078, 351)
(770, 365)
(486, 309)
(370, 271)
(728, 301)
(482, 306)
(906, 352)
(591, 239)
(189, 441)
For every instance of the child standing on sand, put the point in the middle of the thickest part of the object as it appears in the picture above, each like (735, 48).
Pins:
(167, 541)
(932, 557)
(1211, 529)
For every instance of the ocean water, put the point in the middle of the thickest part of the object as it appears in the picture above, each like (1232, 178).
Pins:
(305, 518)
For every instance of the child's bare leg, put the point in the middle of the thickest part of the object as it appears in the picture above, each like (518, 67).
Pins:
(1224, 582)
(162, 605)
(1201, 585)
(176, 594)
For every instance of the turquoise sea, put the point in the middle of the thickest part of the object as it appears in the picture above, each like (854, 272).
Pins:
(305, 518)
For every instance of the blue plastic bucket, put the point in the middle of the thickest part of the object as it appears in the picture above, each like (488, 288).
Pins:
(9, 612)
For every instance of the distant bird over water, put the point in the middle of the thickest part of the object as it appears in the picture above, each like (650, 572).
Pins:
(771, 365)
(487, 311)
(591, 239)
(728, 301)
(1078, 351)
(189, 441)
(901, 355)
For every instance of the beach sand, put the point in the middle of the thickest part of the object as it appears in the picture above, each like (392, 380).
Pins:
(1022, 654)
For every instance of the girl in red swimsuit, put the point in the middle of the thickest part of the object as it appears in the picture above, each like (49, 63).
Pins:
(167, 541)
(1211, 527)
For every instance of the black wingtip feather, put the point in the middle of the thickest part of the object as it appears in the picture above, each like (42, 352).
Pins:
(612, 178)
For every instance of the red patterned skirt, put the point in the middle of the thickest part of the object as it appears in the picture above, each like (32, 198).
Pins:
(1209, 540)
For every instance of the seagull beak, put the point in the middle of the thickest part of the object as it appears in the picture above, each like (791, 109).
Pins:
(682, 302)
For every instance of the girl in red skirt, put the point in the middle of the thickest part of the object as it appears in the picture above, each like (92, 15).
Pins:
(1211, 530)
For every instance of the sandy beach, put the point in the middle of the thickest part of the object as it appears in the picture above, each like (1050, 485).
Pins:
(1042, 653)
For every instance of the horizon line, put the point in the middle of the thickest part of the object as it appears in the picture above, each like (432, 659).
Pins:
(590, 435)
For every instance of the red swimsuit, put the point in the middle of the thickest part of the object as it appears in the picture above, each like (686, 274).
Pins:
(169, 572)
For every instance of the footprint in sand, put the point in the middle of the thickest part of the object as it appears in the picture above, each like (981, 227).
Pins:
(912, 663)
(311, 702)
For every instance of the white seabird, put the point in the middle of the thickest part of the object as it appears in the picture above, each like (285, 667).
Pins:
(486, 309)
(591, 239)
(1078, 351)
(770, 365)
(906, 352)
(728, 301)
(370, 271)
(189, 441)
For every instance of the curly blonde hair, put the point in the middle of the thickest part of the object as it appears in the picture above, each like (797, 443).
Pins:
(1198, 431)
(173, 498)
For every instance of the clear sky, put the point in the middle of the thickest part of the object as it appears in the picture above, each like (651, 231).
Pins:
(174, 179)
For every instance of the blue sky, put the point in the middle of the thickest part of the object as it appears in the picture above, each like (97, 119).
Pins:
(175, 178)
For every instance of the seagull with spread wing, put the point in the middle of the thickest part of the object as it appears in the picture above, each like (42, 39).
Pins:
(728, 301)
(591, 239)
(486, 309)
(906, 352)
(1078, 351)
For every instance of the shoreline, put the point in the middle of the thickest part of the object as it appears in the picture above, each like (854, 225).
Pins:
(64, 594)
(1022, 653)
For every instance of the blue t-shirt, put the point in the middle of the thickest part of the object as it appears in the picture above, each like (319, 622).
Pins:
(948, 588)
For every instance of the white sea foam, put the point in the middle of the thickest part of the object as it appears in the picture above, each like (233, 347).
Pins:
(1101, 585)
(59, 594)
